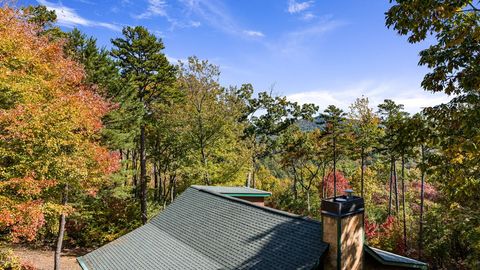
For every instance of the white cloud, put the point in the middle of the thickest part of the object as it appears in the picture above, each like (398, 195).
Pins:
(308, 16)
(297, 7)
(252, 33)
(155, 8)
(413, 98)
(68, 17)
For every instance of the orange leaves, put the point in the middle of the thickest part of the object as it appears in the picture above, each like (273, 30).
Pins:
(26, 186)
(23, 219)
(50, 128)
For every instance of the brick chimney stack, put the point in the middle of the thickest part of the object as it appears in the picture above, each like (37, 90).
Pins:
(343, 230)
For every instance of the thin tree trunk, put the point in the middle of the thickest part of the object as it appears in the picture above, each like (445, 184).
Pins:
(294, 186)
(127, 159)
(334, 166)
(422, 190)
(206, 176)
(155, 180)
(362, 171)
(308, 201)
(143, 176)
(390, 188)
(323, 180)
(403, 203)
(61, 230)
(397, 203)
(254, 167)
(134, 176)
(160, 186)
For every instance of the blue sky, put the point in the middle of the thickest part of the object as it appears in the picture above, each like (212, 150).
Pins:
(325, 52)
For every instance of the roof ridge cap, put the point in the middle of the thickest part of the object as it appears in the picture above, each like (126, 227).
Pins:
(264, 208)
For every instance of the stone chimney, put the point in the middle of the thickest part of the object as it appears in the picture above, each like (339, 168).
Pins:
(342, 222)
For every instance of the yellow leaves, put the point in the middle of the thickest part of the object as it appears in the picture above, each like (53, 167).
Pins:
(458, 158)
(50, 126)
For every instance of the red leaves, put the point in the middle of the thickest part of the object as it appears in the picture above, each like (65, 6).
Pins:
(342, 184)
(371, 229)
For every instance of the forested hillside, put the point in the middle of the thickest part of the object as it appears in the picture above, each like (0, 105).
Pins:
(95, 141)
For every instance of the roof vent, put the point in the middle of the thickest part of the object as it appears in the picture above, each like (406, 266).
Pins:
(349, 193)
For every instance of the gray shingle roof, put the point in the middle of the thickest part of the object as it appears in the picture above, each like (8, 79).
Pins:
(388, 258)
(237, 191)
(202, 229)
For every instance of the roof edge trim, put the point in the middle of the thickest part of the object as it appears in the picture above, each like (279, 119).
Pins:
(247, 194)
(420, 265)
(82, 263)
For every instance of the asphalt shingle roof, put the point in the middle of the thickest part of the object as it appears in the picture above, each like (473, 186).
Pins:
(388, 258)
(202, 229)
(238, 191)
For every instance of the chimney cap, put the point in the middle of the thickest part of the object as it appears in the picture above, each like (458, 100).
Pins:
(343, 206)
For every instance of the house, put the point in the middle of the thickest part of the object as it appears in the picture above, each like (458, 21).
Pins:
(229, 228)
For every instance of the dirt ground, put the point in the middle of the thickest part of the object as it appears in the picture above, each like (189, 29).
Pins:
(43, 259)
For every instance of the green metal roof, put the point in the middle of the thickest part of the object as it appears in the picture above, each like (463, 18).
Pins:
(235, 191)
(203, 229)
(387, 258)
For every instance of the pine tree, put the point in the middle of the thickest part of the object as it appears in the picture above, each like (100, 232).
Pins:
(149, 77)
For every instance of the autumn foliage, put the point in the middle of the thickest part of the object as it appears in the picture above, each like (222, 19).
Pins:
(50, 125)
(342, 183)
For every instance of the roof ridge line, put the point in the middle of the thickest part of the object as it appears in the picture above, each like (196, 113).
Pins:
(264, 208)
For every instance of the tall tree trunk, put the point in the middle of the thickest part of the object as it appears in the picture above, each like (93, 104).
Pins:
(61, 230)
(403, 203)
(155, 180)
(206, 177)
(294, 185)
(334, 166)
(323, 180)
(254, 167)
(362, 171)
(127, 159)
(422, 190)
(397, 203)
(134, 176)
(160, 186)
(390, 188)
(308, 201)
(143, 176)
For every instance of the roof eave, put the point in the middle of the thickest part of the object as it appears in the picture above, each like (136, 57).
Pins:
(82, 263)
(400, 264)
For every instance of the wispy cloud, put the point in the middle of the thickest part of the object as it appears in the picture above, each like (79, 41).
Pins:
(252, 33)
(155, 8)
(413, 98)
(296, 7)
(68, 17)
(299, 42)
(217, 15)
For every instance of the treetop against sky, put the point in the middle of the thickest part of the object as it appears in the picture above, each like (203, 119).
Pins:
(327, 52)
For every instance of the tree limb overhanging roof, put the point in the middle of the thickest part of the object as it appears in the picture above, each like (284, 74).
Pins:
(203, 229)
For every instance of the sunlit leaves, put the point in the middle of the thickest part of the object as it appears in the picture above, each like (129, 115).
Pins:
(49, 126)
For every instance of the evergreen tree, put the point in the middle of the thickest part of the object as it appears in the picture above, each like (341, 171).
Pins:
(334, 120)
(147, 73)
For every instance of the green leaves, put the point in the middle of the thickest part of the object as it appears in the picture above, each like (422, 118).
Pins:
(455, 56)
